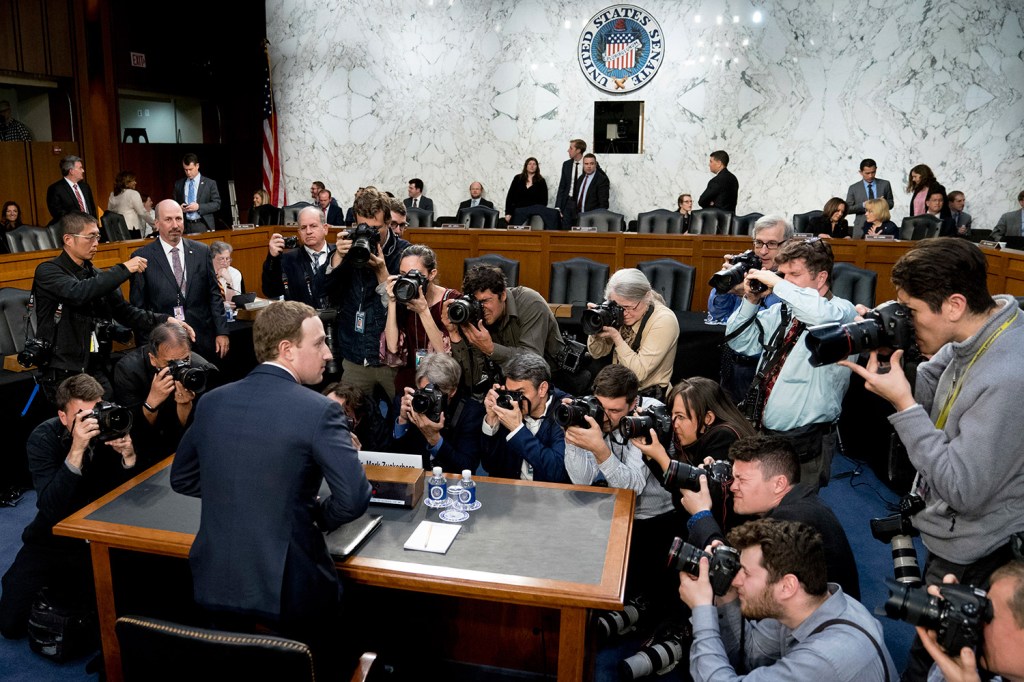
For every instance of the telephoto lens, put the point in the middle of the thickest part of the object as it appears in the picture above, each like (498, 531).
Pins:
(726, 279)
(611, 623)
(887, 326)
(957, 616)
(661, 655)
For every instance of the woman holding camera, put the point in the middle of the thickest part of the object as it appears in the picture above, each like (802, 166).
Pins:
(647, 333)
(415, 302)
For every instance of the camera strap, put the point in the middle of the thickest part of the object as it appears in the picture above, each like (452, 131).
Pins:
(30, 333)
(874, 642)
(635, 343)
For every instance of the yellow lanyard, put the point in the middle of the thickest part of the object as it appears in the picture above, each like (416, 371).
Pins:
(958, 381)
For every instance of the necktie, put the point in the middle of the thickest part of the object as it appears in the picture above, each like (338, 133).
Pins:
(179, 273)
(476, 202)
(583, 191)
(871, 190)
(416, 202)
(192, 190)
(81, 201)
(316, 261)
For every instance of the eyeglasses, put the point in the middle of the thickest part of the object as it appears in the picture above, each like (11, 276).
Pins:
(771, 246)
(95, 237)
(398, 226)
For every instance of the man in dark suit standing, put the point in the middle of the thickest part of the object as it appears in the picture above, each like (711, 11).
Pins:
(571, 170)
(70, 193)
(299, 274)
(592, 188)
(259, 559)
(416, 198)
(724, 188)
(476, 191)
(333, 215)
(180, 282)
(197, 195)
(869, 187)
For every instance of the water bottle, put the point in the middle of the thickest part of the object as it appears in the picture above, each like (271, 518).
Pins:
(437, 490)
(469, 492)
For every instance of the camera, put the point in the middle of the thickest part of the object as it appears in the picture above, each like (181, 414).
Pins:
(898, 531)
(687, 477)
(724, 280)
(508, 399)
(37, 352)
(571, 355)
(329, 316)
(608, 314)
(662, 653)
(115, 421)
(887, 326)
(108, 331)
(465, 310)
(192, 378)
(640, 425)
(365, 240)
(291, 242)
(723, 563)
(573, 413)
(429, 401)
(957, 616)
(490, 374)
(621, 622)
(408, 286)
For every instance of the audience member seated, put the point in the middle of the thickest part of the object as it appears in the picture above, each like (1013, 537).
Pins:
(161, 403)
(126, 200)
(476, 192)
(447, 431)
(10, 219)
(229, 278)
(523, 440)
(789, 396)
(920, 185)
(369, 428)
(414, 326)
(1010, 224)
(933, 208)
(685, 208)
(876, 219)
(646, 340)
(333, 215)
(350, 215)
(832, 221)
(528, 188)
(300, 274)
(416, 198)
(791, 631)
(398, 222)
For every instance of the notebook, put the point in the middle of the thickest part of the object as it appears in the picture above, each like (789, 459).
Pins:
(345, 539)
(432, 537)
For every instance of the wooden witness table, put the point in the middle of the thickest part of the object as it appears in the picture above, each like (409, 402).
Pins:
(145, 515)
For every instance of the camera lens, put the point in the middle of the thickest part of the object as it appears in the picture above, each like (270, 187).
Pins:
(636, 427)
(913, 605)
(406, 289)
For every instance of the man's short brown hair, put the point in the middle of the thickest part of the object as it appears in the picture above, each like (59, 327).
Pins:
(78, 387)
(774, 454)
(1014, 571)
(397, 207)
(815, 253)
(279, 321)
(616, 381)
(580, 145)
(786, 547)
(370, 203)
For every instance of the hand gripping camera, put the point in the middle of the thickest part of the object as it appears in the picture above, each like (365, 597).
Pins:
(957, 616)
(723, 563)
(291, 242)
(687, 477)
(430, 401)
(508, 399)
(887, 326)
(608, 314)
(192, 378)
(408, 286)
(365, 240)
(574, 413)
(465, 310)
(639, 426)
(899, 532)
(115, 421)
(724, 280)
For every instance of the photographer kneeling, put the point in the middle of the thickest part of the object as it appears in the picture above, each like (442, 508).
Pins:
(447, 422)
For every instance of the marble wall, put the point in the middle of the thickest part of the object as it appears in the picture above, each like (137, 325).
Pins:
(797, 92)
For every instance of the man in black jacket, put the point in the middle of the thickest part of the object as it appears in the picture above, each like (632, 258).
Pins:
(592, 188)
(765, 474)
(572, 168)
(723, 189)
(71, 193)
(299, 274)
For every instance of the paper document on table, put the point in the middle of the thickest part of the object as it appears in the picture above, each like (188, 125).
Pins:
(432, 537)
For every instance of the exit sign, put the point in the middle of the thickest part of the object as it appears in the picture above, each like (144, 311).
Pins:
(138, 59)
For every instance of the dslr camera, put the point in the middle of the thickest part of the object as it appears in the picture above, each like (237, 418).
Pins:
(898, 532)
(365, 240)
(430, 401)
(465, 310)
(887, 326)
(724, 280)
(115, 421)
(957, 616)
(723, 563)
(192, 378)
(37, 352)
(108, 331)
(291, 242)
(572, 354)
(408, 286)
(574, 413)
(608, 314)
(687, 477)
(508, 399)
(639, 426)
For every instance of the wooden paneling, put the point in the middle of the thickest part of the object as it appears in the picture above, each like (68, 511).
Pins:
(8, 37)
(33, 36)
(14, 184)
(58, 22)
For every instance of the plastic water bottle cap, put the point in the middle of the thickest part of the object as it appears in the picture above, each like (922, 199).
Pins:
(437, 471)
(466, 473)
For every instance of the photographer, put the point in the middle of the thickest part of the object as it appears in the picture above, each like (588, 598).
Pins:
(447, 422)
(369, 429)
(358, 291)
(70, 469)
(646, 335)
(161, 405)
(798, 627)
(414, 326)
(961, 422)
(87, 300)
(299, 274)
(523, 441)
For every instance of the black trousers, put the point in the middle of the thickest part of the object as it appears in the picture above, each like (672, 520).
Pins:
(63, 568)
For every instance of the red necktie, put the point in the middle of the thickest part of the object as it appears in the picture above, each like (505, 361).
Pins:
(795, 329)
(81, 201)
(583, 192)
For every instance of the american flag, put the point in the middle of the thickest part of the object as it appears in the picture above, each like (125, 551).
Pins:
(273, 176)
(619, 51)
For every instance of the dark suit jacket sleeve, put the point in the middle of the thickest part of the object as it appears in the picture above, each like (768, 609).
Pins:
(212, 198)
(179, 191)
(185, 468)
(563, 184)
(220, 323)
(74, 291)
(603, 187)
(272, 284)
(53, 201)
(548, 461)
(333, 451)
(710, 195)
(887, 193)
(460, 446)
(54, 483)
(703, 531)
(515, 189)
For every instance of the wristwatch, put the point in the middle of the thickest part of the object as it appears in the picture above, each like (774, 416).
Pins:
(149, 408)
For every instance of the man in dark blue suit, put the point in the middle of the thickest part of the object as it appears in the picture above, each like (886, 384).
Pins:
(572, 168)
(523, 441)
(256, 454)
(333, 214)
(723, 189)
(179, 281)
(298, 274)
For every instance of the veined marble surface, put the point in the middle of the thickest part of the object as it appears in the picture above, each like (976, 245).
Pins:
(797, 92)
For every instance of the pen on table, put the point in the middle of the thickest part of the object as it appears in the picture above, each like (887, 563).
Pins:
(430, 529)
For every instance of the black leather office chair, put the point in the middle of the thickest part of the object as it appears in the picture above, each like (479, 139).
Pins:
(290, 213)
(800, 220)
(603, 219)
(419, 217)
(56, 234)
(267, 215)
(920, 227)
(30, 238)
(577, 281)
(154, 650)
(743, 225)
(12, 319)
(114, 227)
(672, 279)
(710, 221)
(854, 284)
(507, 265)
(478, 217)
(661, 221)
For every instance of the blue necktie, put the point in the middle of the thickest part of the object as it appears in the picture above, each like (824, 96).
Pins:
(871, 190)
(191, 191)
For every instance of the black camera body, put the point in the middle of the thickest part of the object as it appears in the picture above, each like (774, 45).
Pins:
(329, 318)
(192, 378)
(687, 477)
(37, 352)
(574, 413)
(108, 331)
(465, 310)
(430, 401)
(365, 240)
(291, 242)
(608, 314)
(572, 354)
(887, 326)
(408, 286)
(508, 399)
(888, 527)
(115, 421)
(724, 280)
(957, 617)
(656, 417)
(723, 563)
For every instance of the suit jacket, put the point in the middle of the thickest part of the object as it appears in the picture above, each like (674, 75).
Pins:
(207, 197)
(258, 462)
(597, 192)
(857, 195)
(545, 452)
(296, 266)
(565, 183)
(721, 192)
(1008, 225)
(936, 187)
(460, 436)
(335, 216)
(425, 203)
(483, 202)
(962, 223)
(156, 290)
(60, 199)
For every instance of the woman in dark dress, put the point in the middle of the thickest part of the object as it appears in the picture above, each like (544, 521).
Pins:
(527, 189)
(876, 219)
(832, 221)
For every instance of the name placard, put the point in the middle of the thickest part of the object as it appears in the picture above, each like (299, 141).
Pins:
(391, 459)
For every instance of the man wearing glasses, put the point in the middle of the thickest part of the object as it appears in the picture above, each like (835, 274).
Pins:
(399, 222)
(75, 304)
(299, 274)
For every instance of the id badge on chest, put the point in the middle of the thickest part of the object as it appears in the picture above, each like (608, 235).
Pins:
(179, 313)
(360, 322)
